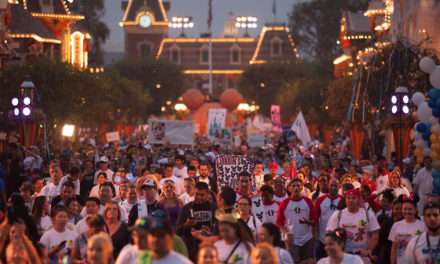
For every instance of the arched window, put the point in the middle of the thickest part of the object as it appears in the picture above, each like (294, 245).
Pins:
(235, 54)
(276, 47)
(204, 54)
(175, 54)
(145, 49)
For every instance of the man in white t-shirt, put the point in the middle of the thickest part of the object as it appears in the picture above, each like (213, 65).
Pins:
(296, 217)
(58, 238)
(325, 206)
(425, 247)
(190, 190)
(53, 188)
(360, 225)
(259, 174)
(423, 182)
(180, 170)
(270, 206)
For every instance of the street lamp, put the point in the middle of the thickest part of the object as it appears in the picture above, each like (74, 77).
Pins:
(182, 22)
(246, 22)
(400, 107)
(68, 130)
(22, 105)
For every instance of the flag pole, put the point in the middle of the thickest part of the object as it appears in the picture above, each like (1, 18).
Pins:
(210, 48)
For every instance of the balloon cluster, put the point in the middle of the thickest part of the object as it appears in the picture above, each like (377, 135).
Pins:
(427, 140)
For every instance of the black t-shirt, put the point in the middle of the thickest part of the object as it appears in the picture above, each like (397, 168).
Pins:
(120, 238)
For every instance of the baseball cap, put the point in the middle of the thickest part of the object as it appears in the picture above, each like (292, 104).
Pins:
(103, 159)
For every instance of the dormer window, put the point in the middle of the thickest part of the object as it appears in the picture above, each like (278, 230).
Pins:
(235, 54)
(204, 54)
(276, 47)
(175, 54)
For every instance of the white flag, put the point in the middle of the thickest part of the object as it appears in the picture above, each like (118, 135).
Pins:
(301, 130)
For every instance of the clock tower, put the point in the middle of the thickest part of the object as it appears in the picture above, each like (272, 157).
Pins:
(145, 24)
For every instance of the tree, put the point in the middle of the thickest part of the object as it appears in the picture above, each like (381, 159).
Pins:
(93, 12)
(262, 83)
(338, 98)
(67, 94)
(315, 26)
(163, 80)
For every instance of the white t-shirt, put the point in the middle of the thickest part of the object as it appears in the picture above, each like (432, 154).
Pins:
(348, 259)
(172, 257)
(45, 223)
(399, 191)
(290, 214)
(279, 199)
(402, 232)
(50, 190)
(325, 207)
(240, 255)
(284, 256)
(270, 212)
(183, 172)
(76, 183)
(81, 227)
(254, 224)
(417, 251)
(259, 180)
(186, 198)
(356, 226)
(128, 255)
(52, 238)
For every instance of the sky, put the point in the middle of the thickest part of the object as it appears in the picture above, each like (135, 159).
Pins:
(198, 9)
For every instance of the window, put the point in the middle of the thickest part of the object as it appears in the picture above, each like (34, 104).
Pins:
(204, 55)
(144, 49)
(175, 54)
(276, 47)
(235, 54)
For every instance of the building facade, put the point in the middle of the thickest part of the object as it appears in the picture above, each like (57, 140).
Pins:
(46, 28)
(146, 26)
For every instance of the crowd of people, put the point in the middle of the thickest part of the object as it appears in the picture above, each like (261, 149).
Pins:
(137, 203)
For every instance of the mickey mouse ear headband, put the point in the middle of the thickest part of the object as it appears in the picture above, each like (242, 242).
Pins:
(231, 217)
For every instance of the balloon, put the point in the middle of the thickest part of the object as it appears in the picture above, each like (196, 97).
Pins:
(433, 138)
(434, 94)
(193, 98)
(427, 64)
(434, 77)
(230, 99)
(432, 103)
(424, 113)
(421, 128)
(418, 98)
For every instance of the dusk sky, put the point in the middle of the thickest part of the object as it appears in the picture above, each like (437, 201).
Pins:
(198, 9)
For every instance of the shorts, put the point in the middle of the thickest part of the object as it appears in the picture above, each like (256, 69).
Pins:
(304, 252)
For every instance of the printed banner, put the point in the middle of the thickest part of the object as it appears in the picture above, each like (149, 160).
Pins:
(275, 114)
(112, 136)
(173, 132)
(216, 122)
(228, 167)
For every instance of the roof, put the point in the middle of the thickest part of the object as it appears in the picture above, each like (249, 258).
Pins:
(56, 7)
(356, 23)
(190, 52)
(134, 7)
(268, 34)
(23, 23)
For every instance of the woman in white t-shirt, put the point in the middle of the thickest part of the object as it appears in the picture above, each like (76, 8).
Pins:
(403, 231)
(40, 214)
(235, 244)
(395, 183)
(334, 242)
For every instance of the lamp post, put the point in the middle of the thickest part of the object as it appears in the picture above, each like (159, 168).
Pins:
(400, 104)
(246, 22)
(182, 23)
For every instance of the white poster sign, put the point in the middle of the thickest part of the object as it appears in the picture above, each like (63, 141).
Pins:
(173, 132)
(112, 136)
(216, 122)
